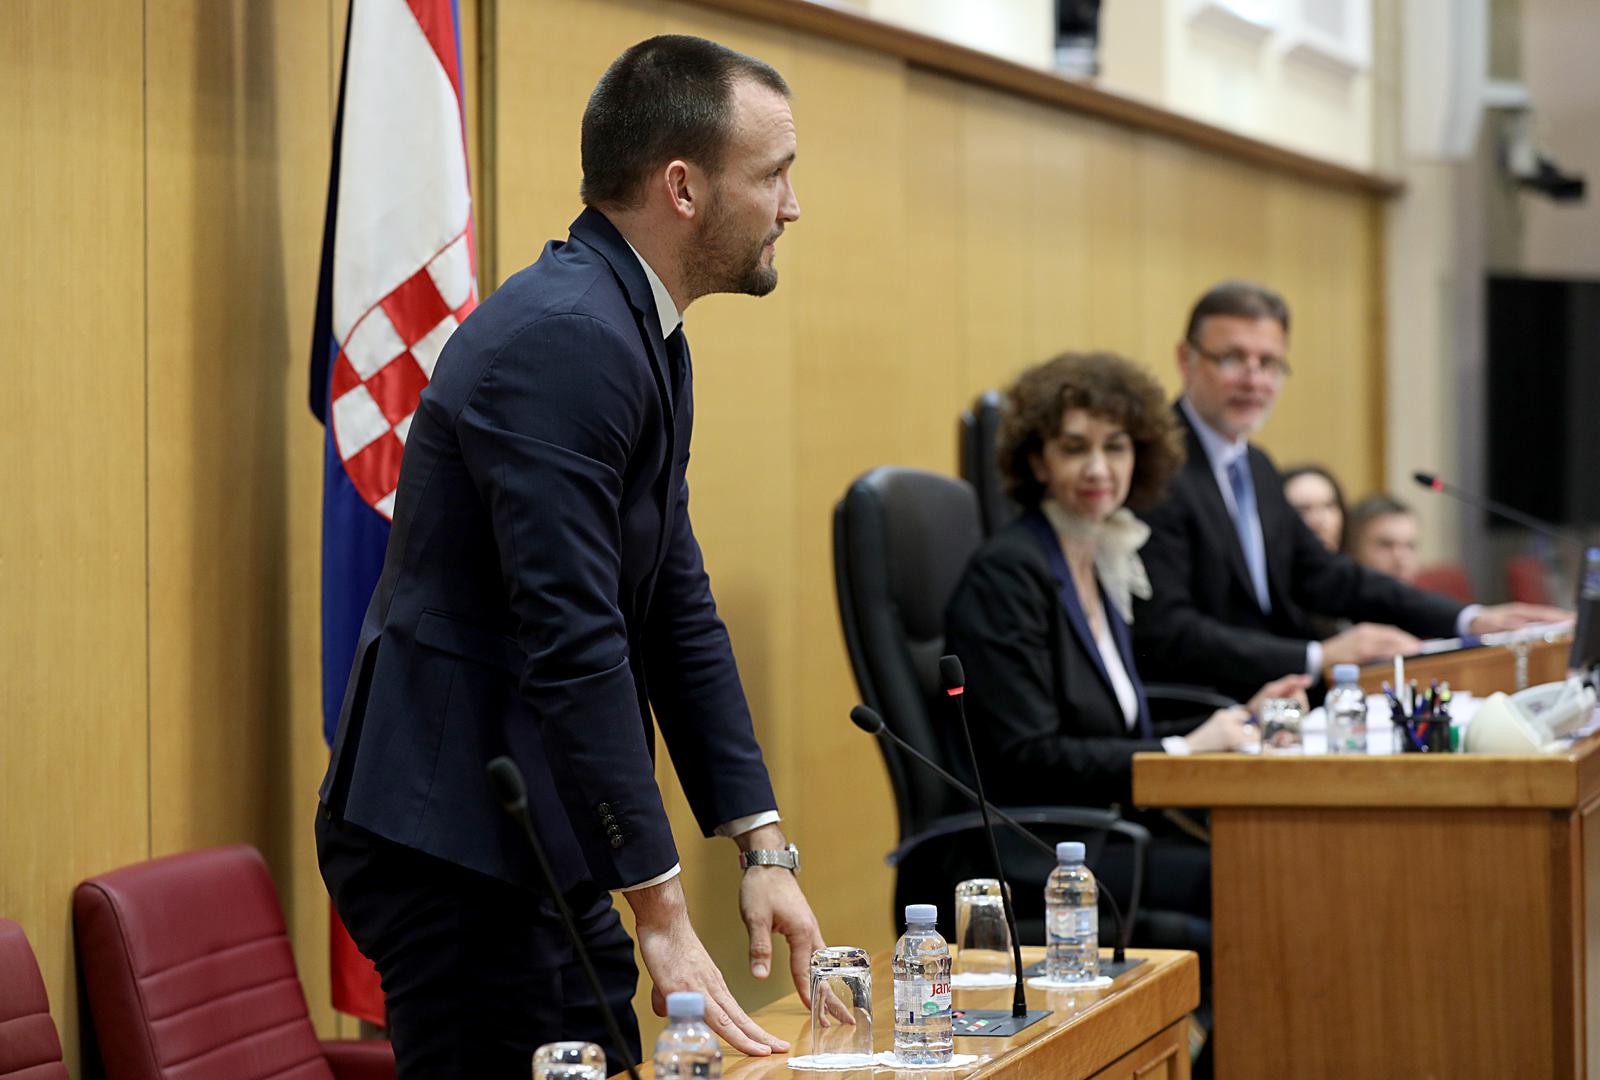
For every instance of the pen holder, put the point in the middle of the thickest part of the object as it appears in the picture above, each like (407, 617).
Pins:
(1424, 736)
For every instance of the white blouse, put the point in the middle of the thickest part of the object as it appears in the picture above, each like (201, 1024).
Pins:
(1127, 697)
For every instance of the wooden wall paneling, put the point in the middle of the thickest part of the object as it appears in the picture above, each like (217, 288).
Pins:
(1171, 271)
(299, 880)
(930, 284)
(998, 215)
(73, 784)
(548, 57)
(240, 143)
(1319, 241)
(1115, 310)
(1056, 231)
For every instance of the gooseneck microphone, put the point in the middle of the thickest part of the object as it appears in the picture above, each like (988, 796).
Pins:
(1527, 521)
(869, 721)
(954, 682)
(512, 792)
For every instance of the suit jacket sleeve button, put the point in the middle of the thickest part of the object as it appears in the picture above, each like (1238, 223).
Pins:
(604, 809)
(616, 840)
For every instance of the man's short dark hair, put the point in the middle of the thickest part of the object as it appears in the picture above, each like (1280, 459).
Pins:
(1364, 513)
(1243, 299)
(666, 97)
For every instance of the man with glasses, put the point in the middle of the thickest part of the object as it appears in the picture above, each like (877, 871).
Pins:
(1235, 575)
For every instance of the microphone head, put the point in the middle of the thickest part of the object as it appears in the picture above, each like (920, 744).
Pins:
(506, 779)
(866, 719)
(1428, 480)
(951, 676)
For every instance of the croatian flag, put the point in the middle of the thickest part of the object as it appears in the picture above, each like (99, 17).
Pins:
(398, 276)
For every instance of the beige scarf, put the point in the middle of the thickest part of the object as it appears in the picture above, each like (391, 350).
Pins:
(1117, 541)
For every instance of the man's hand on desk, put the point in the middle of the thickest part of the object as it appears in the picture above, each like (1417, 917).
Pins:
(1371, 641)
(676, 960)
(770, 900)
(1492, 620)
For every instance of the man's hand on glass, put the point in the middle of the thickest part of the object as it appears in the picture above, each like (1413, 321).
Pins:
(770, 901)
(676, 960)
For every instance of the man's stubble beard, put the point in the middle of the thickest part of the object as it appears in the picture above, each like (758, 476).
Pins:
(719, 262)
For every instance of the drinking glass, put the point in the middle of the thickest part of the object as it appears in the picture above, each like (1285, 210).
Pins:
(1280, 725)
(569, 1061)
(841, 1001)
(983, 940)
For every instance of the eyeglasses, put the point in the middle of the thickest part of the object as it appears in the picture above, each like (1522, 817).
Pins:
(1275, 368)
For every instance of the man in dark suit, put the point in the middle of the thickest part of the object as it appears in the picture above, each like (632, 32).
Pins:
(543, 593)
(1235, 574)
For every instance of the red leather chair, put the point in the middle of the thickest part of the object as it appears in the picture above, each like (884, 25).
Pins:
(189, 976)
(1526, 580)
(30, 1049)
(1448, 578)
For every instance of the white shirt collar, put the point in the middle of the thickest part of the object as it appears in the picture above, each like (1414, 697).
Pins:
(1220, 450)
(666, 310)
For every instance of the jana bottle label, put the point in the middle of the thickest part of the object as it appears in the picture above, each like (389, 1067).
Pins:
(918, 1000)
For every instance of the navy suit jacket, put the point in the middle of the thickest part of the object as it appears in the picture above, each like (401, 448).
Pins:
(1203, 624)
(542, 591)
(1046, 722)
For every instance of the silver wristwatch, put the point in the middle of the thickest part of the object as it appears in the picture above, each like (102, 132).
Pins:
(788, 858)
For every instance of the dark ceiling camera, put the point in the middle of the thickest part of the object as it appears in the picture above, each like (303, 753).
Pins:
(1548, 180)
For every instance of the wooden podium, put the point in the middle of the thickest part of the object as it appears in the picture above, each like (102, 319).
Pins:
(1411, 915)
(1134, 1028)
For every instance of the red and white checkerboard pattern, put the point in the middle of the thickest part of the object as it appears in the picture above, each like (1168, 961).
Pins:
(386, 361)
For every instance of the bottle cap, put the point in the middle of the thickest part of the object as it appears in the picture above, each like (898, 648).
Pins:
(1346, 673)
(686, 1005)
(1069, 852)
(922, 913)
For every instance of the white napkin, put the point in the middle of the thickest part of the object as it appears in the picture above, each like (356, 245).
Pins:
(885, 1061)
(832, 1062)
(1040, 982)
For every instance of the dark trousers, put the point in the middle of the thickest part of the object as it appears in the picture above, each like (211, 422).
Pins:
(477, 972)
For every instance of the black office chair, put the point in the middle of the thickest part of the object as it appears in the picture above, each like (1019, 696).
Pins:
(902, 538)
(979, 428)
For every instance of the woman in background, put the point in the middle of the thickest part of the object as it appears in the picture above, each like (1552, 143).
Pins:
(1315, 496)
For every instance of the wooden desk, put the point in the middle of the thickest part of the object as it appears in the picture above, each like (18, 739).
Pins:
(1484, 669)
(1413, 915)
(1135, 1028)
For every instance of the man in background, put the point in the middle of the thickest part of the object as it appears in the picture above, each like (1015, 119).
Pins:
(1234, 571)
(1381, 535)
(543, 597)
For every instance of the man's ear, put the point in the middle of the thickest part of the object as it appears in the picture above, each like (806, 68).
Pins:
(683, 185)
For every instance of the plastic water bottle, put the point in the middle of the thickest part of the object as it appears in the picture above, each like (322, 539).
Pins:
(1071, 919)
(1346, 709)
(922, 991)
(687, 1047)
